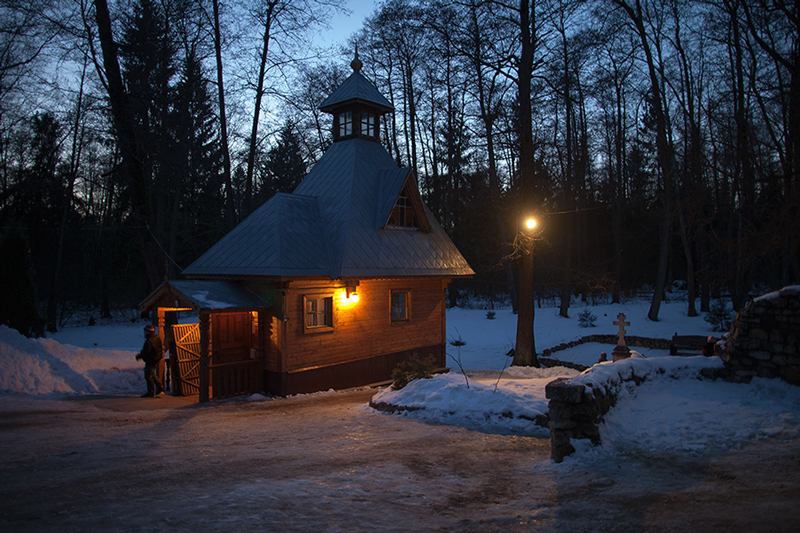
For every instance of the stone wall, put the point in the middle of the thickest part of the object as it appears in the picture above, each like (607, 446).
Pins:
(578, 404)
(630, 340)
(764, 339)
(574, 414)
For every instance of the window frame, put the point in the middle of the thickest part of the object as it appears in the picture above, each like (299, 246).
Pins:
(369, 124)
(345, 123)
(327, 314)
(403, 208)
(407, 307)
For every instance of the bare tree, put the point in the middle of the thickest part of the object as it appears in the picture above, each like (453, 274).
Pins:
(230, 208)
(663, 148)
(286, 20)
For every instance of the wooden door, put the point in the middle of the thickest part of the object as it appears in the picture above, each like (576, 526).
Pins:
(231, 337)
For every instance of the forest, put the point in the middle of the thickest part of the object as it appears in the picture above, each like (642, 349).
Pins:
(657, 142)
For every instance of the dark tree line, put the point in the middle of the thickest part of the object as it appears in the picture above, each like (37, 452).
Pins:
(657, 141)
(662, 136)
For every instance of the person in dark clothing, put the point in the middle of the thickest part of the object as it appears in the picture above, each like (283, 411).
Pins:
(708, 348)
(152, 353)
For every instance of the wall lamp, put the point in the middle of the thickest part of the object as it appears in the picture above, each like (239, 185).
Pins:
(352, 290)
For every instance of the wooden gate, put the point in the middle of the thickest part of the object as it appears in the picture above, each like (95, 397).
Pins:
(186, 377)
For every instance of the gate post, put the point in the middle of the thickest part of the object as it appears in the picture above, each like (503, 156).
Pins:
(162, 365)
(204, 355)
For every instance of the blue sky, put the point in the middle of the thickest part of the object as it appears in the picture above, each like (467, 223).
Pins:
(343, 26)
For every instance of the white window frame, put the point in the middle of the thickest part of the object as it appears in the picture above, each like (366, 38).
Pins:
(326, 313)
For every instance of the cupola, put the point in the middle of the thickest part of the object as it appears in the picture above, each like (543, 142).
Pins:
(356, 106)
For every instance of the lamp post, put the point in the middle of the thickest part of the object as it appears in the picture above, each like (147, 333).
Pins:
(525, 346)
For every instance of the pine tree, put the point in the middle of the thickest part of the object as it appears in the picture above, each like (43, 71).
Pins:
(284, 167)
(147, 54)
(38, 193)
(196, 162)
(18, 307)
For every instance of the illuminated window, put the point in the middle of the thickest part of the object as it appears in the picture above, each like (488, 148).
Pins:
(369, 124)
(401, 303)
(319, 312)
(345, 123)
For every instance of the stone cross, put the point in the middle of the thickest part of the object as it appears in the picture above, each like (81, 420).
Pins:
(620, 321)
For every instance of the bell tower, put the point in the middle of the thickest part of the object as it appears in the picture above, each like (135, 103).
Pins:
(356, 106)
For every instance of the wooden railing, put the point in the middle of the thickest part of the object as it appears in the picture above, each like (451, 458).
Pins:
(235, 379)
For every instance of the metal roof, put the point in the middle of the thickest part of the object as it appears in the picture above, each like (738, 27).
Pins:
(286, 236)
(356, 88)
(327, 226)
(203, 294)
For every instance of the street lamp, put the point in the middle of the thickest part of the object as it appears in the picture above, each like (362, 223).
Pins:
(525, 346)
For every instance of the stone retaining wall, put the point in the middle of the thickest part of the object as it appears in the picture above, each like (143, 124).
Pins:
(639, 342)
(630, 340)
(764, 339)
(576, 413)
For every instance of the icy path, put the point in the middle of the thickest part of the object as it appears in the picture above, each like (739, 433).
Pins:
(325, 463)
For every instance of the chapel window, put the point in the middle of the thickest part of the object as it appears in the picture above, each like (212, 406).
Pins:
(345, 123)
(369, 124)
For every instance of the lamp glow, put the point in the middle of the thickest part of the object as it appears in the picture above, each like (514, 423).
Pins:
(530, 223)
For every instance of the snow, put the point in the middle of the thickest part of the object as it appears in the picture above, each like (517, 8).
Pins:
(794, 289)
(507, 402)
(608, 376)
(45, 366)
(203, 298)
(673, 410)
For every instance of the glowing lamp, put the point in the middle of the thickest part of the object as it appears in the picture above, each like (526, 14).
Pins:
(530, 223)
(352, 291)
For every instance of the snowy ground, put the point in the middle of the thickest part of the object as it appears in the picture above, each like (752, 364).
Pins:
(71, 417)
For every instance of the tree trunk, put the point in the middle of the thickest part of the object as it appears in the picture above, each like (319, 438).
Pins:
(129, 147)
(687, 250)
(525, 347)
(251, 153)
(230, 209)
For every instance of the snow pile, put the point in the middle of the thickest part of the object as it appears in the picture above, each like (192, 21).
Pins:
(792, 289)
(608, 376)
(511, 403)
(43, 366)
(689, 415)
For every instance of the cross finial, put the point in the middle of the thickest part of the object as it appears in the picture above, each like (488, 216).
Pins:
(356, 62)
(620, 321)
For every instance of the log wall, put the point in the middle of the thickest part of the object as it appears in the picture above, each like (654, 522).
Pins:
(364, 329)
(363, 345)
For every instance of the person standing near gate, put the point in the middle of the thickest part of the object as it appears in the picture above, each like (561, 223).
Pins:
(151, 354)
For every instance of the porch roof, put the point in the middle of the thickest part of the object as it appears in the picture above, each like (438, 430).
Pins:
(212, 295)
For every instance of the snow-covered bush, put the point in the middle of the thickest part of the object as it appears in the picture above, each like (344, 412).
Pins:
(586, 319)
(414, 368)
(719, 315)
